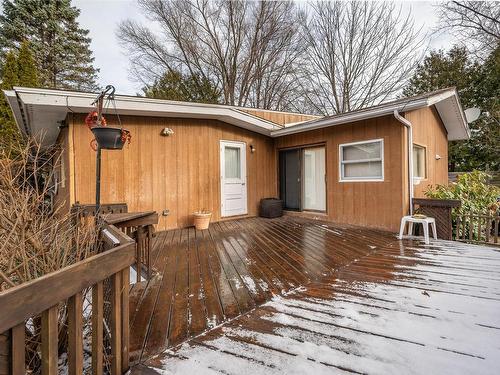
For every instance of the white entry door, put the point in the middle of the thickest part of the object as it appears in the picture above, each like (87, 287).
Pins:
(233, 178)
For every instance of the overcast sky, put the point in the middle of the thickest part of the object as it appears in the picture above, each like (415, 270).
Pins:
(101, 17)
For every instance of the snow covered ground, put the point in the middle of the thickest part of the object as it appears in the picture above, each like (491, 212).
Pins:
(401, 310)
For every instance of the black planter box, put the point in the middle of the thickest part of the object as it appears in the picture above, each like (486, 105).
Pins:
(271, 207)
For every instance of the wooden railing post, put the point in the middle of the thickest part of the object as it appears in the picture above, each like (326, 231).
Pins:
(49, 341)
(116, 324)
(18, 338)
(97, 328)
(496, 229)
(140, 251)
(125, 279)
(471, 227)
(5, 352)
(75, 335)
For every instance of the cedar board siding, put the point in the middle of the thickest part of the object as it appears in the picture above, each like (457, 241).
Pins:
(429, 131)
(63, 198)
(281, 118)
(180, 173)
(371, 204)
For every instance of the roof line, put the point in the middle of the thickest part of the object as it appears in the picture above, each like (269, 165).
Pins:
(143, 99)
(383, 109)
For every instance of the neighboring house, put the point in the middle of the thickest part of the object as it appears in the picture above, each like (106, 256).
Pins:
(348, 168)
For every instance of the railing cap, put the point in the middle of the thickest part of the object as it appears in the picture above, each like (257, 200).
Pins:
(433, 202)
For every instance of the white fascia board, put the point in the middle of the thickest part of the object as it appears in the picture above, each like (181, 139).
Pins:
(351, 117)
(11, 97)
(69, 101)
(441, 96)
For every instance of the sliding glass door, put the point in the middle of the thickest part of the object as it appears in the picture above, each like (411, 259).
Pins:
(290, 186)
(314, 186)
(302, 178)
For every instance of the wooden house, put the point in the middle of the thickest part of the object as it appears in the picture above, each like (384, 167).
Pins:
(361, 167)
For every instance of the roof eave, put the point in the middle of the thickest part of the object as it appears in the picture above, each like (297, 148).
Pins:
(347, 118)
(458, 123)
(64, 102)
(17, 110)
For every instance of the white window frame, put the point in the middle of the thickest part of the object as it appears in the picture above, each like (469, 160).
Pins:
(360, 179)
(415, 177)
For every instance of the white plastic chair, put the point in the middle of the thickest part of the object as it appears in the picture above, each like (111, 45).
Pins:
(426, 222)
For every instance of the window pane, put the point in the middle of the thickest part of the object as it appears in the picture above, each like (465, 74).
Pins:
(419, 161)
(371, 169)
(362, 151)
(232, 162)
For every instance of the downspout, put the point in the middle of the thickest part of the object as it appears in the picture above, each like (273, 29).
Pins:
(408, 125)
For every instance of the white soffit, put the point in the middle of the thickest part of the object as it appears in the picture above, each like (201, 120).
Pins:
(40, 111)
(453, 118)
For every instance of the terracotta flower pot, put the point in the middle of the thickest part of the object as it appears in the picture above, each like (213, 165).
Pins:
(202, 219)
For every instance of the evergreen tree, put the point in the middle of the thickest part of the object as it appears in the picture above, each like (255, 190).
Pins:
(8, 128)
(18, 71)
(61, 48)
(478, 86)
(173, 85)
(27, 72)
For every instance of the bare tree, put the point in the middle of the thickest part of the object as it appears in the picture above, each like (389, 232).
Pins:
(359, 53)
(250, 50)
(475, 23)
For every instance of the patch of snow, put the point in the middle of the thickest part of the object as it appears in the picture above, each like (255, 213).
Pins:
(369, 333)
(250, 283)
(133, 276)
(326, 228)
(237, 282)
(212, 322)
(263, 285)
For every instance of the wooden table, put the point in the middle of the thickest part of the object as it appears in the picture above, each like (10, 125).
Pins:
(132, 219)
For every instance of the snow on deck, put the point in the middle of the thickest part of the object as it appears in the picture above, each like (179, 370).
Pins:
(404, 308)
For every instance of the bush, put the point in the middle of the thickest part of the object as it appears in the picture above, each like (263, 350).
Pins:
(37, 238)
(472, 190)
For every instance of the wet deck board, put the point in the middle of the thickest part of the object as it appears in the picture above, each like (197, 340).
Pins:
(206, 277)
(383, 306)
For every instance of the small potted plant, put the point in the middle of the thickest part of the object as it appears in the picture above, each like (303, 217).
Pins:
(202, 219)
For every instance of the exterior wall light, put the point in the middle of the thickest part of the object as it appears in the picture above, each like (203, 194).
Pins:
(438, 157)
(252, 149)
(166, 132)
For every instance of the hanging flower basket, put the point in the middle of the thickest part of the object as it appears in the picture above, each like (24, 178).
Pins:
(109, 138)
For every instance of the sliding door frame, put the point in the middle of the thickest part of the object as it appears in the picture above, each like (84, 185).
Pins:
(302, 148)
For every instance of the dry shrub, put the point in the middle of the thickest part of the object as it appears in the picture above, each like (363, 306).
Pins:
(36, 237)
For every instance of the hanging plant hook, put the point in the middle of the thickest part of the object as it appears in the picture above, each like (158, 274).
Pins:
(95, 120)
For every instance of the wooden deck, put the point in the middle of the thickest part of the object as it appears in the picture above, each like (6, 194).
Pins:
(314, 297)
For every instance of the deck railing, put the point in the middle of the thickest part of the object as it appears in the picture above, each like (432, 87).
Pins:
(137, 225)
(477, 228)
(140, 227)
(107, 275)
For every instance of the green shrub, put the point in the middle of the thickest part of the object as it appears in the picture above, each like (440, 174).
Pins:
(477, 197)
(472, 190)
